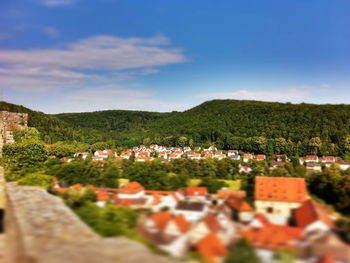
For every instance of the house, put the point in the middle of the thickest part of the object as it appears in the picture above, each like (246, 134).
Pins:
(82, 155)
(232, 153)
(240, 209)
(205, 226)
(313, 167)
(245, 169)
(328, 159)
(212, 249)
(225, 193)
(344, 165)
(192, 210)
(187, 149)
(196, 156)
(161, 199)
(313, 216)
(104, 154)
(261, 157)
(196, 192)
(168, 232)
(247, 157)
(274, 165)
(102, 198)
(212, 149)
(311, 159)
(318, 244)
(270, 238)
(276, 197)
(235, 157)
(281, 158)
(132, 190)
(143, 158)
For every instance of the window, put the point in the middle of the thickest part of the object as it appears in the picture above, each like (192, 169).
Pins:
(269, 210)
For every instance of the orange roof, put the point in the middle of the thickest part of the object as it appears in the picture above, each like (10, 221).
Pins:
(102, 196)
(247, 156)
(280, 189)
(156, 199)
(161, 219)
(223, 194)
(131, 188)
(273, 237)
(326, 259)
(182, 223)
(196, 191)
(211, 247)
(76, 186)
(212, 222)
(310, 212)
(239, 204)
(260, 156)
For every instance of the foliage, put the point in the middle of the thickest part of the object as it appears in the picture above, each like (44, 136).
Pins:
(212, 185)
(250, 126)
(29, 154)
(40, 180)
(242, 252)
(109, 221)
(78, 197)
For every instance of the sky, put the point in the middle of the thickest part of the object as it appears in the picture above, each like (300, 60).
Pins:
(156, 55)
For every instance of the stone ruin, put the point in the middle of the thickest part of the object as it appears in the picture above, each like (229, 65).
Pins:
(10, 122)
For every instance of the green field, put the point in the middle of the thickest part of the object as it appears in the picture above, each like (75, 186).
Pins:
(232, 184)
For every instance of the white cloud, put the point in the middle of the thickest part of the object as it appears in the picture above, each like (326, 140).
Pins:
(98, 58)
(55, 3)
(283, 95)
(50, 31)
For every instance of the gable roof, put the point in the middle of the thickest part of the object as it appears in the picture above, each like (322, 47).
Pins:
(131, 188)
(273, 237)
(161, 219)
(182, 223)
(212, 222)
(211, 247)
(311, 211)
(280, 189)
(196, 191)
(238, 204)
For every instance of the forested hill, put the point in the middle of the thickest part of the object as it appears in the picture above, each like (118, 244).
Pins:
(246, 125)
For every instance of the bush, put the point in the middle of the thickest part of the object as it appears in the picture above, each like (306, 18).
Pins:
(40, 180)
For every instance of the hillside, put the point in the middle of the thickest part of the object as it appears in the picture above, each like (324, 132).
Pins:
(247, 125)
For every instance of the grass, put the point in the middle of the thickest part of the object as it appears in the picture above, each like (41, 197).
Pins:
(232, 184)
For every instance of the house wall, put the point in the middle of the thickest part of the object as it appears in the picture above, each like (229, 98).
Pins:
(281, 211)
(132, 196)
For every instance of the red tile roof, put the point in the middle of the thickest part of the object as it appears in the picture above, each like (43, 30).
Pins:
(212, 222)
(102, 196)
(131, 188)
(182, 223)
(211, 247)
(196, 191)
(273, 237)
(161, 219)
(310, 212)
(238, 204)
(223, 194)
(280, 189)
(325, 259)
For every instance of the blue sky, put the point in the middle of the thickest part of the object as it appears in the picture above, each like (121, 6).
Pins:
(86, 55)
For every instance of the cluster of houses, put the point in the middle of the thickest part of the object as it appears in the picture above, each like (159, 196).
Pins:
(142, 153)
(284, 218)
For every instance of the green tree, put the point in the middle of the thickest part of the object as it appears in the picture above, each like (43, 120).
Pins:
(242, 252)
(36, 179)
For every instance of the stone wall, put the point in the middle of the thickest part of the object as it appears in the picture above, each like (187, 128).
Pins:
(10, 122)
(40, 228)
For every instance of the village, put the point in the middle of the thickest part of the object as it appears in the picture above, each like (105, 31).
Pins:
(283, 219)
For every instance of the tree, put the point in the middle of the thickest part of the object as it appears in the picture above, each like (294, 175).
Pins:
(315, 145)
(242, 252)
(212, 185)
(29, 154)
(39, 180)
(182, 141)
